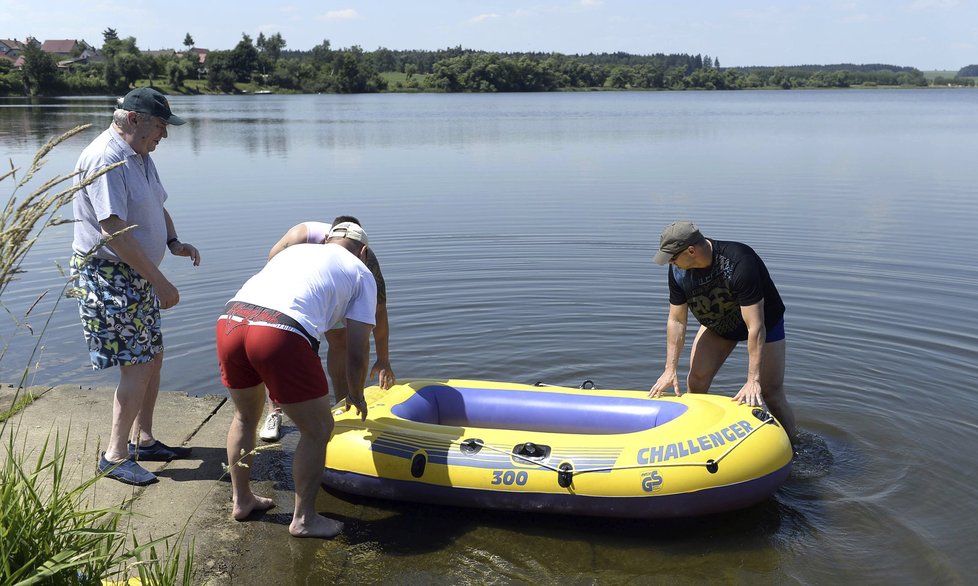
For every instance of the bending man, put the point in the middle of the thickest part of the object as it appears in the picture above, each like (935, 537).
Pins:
(732, 295)
(315, 233)
(269, 337)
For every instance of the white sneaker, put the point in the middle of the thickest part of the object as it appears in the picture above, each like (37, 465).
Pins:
(272, 430)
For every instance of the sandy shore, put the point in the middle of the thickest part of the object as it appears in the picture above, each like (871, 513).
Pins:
(192, 493)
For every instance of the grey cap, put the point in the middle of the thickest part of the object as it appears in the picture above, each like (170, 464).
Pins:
(348, 230)
(677, 237)
(149, 101)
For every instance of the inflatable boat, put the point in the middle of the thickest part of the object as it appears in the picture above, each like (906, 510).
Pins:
(550, 449)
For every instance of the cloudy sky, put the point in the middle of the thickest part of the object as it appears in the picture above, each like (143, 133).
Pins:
(927, 34)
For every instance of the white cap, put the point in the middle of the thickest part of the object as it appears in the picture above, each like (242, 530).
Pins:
(348, 230)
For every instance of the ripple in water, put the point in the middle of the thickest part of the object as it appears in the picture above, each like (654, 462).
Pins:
(813, 459)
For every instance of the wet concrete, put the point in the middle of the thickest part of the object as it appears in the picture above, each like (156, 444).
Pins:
(193, 495)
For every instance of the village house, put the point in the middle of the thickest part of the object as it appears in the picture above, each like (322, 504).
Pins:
(10, 47)
(11, 50)
(69, 52)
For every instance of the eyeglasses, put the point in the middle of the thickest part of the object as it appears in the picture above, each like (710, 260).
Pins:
(677, 255)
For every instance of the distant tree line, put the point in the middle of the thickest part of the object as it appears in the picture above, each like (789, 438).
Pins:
(266, 63)
(966, 77)
(968, 71)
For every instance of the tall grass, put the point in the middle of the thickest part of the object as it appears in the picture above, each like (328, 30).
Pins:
(49, 534)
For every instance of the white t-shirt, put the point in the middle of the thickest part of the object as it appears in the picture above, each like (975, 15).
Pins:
(315, 284)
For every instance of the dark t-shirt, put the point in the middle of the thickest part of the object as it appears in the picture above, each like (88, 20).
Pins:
(374, 265)
(736, 278)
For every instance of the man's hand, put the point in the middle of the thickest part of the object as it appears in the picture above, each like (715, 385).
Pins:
(384, 373)
(750, 393)
(360, 403)
(667, 379)
(183, 249)
(167, 294)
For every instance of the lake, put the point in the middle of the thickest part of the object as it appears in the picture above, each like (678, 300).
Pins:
(516, 234)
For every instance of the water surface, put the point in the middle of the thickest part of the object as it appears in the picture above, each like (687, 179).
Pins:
(516, 234)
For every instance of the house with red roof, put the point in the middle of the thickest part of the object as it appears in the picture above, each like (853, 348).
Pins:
(62, 47)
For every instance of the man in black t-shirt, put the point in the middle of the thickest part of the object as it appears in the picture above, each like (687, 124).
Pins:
(731, 294)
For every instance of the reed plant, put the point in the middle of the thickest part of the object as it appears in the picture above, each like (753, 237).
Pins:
(50, 532)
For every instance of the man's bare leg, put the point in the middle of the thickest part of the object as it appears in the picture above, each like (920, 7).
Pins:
(248, 405)
(129, 400)
(315, 423)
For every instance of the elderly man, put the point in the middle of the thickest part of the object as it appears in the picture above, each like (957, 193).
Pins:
(121, 290)
(732, 295)
(269, 337)
(315, 233)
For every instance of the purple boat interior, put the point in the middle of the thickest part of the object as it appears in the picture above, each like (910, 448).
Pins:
(535, 411)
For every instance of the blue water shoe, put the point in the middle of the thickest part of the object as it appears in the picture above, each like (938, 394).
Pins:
(127, 472)
(158, 452)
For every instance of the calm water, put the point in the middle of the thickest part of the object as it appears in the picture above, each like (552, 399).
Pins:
(516, 232)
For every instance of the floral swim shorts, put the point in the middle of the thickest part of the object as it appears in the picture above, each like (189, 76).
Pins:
(119, 310)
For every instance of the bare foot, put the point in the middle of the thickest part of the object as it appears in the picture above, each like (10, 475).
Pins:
(241, 510)
(317, 526)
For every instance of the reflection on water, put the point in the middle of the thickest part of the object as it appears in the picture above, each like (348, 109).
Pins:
(516, 234)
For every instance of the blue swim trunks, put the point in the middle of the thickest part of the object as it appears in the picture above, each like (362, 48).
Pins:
(119, 310)
(776, 333)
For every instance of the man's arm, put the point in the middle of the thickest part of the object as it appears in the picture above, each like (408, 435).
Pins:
(753, 316)
(178, 248)
(357, 359)
(131, 253)
(296, 235)
(382, 368)
(675, 340)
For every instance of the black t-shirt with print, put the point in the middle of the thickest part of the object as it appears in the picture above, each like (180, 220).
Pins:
(736, 278)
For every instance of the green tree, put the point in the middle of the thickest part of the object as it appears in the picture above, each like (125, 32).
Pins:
(11, 81)
(321, 54)
(352, 73)
(269, 50)
(180, 70)
(220, 75)
(675, 77)
(40, 71)
(124, 62)
(154, 67)
(243, 59)
(188, 42)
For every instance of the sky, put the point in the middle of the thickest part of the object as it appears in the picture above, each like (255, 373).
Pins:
(926, 34)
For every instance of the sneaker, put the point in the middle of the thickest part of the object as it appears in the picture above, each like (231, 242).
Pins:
(157, 452)
(272, 430)
(126, 471)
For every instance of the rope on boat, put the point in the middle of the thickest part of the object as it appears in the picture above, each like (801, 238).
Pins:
(564, 472)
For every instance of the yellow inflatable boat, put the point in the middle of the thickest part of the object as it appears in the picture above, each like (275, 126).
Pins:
(557, 449)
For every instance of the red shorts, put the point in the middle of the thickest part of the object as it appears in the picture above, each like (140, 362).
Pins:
(283, 360)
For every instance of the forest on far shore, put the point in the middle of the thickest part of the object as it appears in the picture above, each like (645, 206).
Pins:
(265, 65)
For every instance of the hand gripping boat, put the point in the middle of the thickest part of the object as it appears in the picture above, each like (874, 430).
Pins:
(557, 450)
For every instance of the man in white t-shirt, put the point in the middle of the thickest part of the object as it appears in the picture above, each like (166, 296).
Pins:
(315, 233)
(268, 338)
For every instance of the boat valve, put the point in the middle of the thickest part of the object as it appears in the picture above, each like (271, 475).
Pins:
(565, 474)
(418, 463)
(471, 446)
(712, 466)
(532, 451)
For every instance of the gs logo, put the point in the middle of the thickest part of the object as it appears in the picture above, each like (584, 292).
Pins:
(651, 481)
